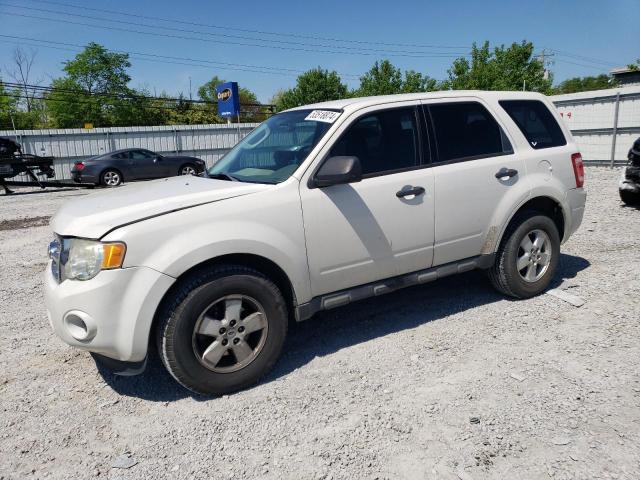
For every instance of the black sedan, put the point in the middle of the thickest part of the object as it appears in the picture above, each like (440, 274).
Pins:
(111, 169)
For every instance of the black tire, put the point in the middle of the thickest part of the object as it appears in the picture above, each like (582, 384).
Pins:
(179, 315)
(111, 178)
(630, 198)
(504, 274)
(181, 170)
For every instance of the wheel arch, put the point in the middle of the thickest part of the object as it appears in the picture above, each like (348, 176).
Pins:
(543, 204)
(263, 265)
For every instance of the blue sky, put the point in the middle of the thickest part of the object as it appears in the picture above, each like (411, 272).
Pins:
(589, 37)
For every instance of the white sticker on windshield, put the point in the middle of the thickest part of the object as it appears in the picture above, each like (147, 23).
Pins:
(326, 116)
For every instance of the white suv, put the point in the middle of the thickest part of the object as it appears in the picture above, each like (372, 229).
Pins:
(318, 207)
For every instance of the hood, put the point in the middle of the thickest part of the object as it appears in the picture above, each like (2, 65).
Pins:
(92, 216)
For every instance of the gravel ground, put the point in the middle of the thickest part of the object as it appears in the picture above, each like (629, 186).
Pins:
(448, 380)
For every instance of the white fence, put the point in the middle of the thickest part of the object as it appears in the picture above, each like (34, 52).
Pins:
(603, 122)
(208, 142)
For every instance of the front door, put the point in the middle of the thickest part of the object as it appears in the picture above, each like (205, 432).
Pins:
(145, 164)
(471, 150)
(381, 226)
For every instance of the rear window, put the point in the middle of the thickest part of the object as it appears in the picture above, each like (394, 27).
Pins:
(536, 123)
(467, 131)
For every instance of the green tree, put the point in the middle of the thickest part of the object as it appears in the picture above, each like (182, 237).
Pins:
(584, 84)
(7, 108)
(415, 82)
(95, 90)
(382, 79)
(503, 68)
(313, 86)
(385, 79)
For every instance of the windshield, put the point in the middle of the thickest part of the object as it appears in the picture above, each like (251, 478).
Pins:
(276, 148)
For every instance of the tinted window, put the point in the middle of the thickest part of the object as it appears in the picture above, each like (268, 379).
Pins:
(536, 122)
(383, 141)
(467, 130)
(121, 155)
(140, 155)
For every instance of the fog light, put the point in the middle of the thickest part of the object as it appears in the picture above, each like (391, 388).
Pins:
(80, 326)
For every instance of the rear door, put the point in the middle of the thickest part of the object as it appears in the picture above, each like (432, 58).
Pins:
(474, 168)
(373, 229)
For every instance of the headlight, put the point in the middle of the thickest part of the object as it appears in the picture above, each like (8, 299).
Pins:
(82, 259)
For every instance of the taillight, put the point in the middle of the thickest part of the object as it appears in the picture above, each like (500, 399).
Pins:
(78, 167)
(578, 169)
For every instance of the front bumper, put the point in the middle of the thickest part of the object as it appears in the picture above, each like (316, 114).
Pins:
(111, 314)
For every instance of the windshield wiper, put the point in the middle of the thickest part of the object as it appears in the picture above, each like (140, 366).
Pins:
(224, 176)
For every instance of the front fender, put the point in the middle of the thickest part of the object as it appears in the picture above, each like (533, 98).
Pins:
(196, 246)
(270, 227)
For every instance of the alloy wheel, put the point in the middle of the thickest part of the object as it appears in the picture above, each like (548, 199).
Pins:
(534, 256)
(230, 333)
(112, 179)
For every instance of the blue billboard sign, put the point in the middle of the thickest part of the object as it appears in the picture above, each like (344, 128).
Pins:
(228, 100)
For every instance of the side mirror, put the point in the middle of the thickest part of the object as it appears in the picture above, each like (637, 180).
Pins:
(338, 170)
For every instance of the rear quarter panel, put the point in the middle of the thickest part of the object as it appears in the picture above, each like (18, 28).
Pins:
(548, 172)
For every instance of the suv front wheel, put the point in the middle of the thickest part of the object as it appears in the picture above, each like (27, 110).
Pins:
(222, 329)
(528, 256)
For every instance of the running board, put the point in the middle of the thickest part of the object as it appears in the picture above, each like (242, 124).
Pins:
(344, 297)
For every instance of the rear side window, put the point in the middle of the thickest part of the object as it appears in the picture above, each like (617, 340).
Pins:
(121, 155)
(140, 155)
(384, 141)
(536, 123)
(467, 131)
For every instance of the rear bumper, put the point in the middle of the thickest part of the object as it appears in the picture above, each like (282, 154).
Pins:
(78, 177)
(576, 200)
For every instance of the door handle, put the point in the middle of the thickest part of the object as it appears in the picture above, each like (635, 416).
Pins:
(410, 191)
(506, 172)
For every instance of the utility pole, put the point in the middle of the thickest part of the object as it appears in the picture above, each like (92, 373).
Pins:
(543, 59)
(190, 98)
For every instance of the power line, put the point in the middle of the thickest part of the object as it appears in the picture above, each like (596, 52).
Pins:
(261, 32)
(199, 32)
(209, 40)
(174, 60)
(582, 57)
(592, 67)
(302, 36)
(120, 96)
(85, 102)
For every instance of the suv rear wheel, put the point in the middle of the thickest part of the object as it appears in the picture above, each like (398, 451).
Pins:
(528, 256)
(222, 329)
